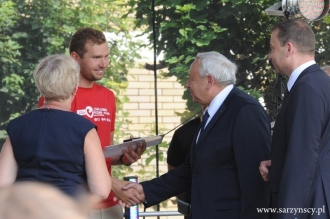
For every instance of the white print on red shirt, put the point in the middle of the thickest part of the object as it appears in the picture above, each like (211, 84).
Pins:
(96, 112)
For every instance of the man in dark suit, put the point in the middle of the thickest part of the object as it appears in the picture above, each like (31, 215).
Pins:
(299, 171)
(222, 170)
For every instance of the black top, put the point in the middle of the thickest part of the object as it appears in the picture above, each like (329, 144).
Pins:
(48, 146)
(181, 142)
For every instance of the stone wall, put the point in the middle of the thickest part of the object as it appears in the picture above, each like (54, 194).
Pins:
(142, 108)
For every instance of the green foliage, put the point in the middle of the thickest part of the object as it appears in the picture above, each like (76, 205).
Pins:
(239, 29)
(10, 82)
(322, 29)
(256, 94)
(30, 30)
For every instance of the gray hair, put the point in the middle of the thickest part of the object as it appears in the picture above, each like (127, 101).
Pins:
(214, 63)
(56, 77)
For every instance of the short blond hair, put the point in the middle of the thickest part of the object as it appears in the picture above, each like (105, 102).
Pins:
(56, 77)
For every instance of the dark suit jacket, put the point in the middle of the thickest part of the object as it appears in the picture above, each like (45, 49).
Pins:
(300, 171)
(223, 167)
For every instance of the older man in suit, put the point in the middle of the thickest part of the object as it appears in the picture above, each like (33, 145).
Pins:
(222, 170)
(300, 160)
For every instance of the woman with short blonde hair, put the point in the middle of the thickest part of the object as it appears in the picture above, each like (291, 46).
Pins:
(52, 144)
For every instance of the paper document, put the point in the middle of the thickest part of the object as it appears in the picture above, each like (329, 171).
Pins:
(116, 150)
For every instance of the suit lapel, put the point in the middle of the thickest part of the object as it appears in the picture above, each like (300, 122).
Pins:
(287, 96)
(308, 70)
(305, 72)
(212, 122)
(203, 135)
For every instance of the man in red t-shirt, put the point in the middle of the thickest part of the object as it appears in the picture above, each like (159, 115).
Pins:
(97, 104)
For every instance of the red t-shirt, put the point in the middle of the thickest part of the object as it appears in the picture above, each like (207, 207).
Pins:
(98, 105)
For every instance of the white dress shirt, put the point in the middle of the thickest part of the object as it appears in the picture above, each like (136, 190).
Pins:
(295, 74)
(216, 103)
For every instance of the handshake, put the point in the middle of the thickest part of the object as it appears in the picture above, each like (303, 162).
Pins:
(128, 193)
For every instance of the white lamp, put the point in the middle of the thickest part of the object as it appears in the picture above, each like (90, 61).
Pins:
(304, 9)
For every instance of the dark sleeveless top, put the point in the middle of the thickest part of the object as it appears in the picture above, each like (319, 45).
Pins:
(48, 146)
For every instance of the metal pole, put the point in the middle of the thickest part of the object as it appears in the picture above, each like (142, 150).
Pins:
(159, 213)
(155, 84)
